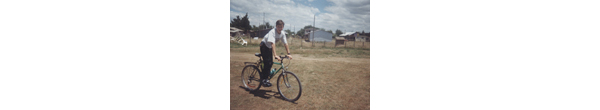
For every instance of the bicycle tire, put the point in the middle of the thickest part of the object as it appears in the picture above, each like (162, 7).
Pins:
(281, 81)
(253, 76)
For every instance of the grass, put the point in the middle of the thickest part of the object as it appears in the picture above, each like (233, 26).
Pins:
(307, 51)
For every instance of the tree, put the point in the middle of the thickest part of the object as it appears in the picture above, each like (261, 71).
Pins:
(241, 23)
(363, 32)
(338, 32)
(288, 31)
(268, 25)
(265, 26)
(235, 22)
(245, 23)
(301, 31)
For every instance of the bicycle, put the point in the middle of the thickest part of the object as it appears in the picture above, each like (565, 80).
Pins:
(283, 81)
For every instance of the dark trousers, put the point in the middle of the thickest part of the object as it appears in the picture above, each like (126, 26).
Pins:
(267, 56)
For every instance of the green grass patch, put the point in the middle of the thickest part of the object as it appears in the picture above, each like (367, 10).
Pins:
(318, 52)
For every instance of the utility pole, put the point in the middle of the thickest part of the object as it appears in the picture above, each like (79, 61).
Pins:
(295, 29)
(264, 20)
(313, 39)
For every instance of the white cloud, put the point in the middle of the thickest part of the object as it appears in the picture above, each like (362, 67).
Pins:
(347, 15)
(283, 1)
(233, 14)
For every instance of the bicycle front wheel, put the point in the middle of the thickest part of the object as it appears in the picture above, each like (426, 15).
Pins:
(289, 87)
(251, 78)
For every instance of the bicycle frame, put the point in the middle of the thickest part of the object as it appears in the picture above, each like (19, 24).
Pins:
(260, 64)
(276, 71)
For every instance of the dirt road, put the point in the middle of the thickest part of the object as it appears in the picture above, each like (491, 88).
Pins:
(328, 83)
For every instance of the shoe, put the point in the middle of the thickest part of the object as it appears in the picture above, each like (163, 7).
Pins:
(266, 83)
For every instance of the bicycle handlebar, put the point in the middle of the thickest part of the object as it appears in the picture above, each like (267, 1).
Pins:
(282, 57)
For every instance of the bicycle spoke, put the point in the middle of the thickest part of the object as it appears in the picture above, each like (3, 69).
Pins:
(287, 82)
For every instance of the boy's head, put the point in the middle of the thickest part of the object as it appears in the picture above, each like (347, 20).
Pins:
(279, 24)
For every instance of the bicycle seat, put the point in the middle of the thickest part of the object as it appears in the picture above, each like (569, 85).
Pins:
(257, 54)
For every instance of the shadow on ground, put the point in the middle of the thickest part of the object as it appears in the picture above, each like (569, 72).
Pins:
(266, 94)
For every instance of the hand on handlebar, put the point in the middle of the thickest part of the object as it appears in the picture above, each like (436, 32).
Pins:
(277, 57)
(286, 56)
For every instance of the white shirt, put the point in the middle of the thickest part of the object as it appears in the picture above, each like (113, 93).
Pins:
(272, 36)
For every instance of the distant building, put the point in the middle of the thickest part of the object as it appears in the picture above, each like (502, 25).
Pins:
(350, 36)
(368, 39)
(262, 33)
(362, 38)
(234, 31)
(339, 41)
(320, 36)
(306, 32)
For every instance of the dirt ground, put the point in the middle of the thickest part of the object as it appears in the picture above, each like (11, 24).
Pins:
(327, 83)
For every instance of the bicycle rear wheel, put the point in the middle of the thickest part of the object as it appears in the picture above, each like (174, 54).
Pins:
(251, 78)
(289, 87)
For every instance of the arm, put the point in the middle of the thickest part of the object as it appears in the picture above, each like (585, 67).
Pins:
(274, 52)
(285, 44)
(287, 48)
(288, 51)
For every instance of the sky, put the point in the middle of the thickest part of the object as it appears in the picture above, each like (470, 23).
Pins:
(345, 15)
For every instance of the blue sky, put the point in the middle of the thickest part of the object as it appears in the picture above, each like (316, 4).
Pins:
(345, 15)
(320, 4)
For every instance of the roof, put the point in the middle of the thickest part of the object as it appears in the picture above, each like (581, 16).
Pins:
(347, 33)
(318, 31)
(233, 29)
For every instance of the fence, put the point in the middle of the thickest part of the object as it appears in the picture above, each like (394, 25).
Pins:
(300, 43)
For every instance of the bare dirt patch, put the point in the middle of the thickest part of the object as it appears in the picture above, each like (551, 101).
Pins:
(327, 82)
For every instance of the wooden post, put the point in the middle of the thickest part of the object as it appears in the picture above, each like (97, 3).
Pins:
(354, 44)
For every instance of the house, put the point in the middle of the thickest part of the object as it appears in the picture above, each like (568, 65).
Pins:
(306, 32)
(350, 36)
(262, 33)
(234, 31)
(368, 39)
(362, 38)
(320, 36)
